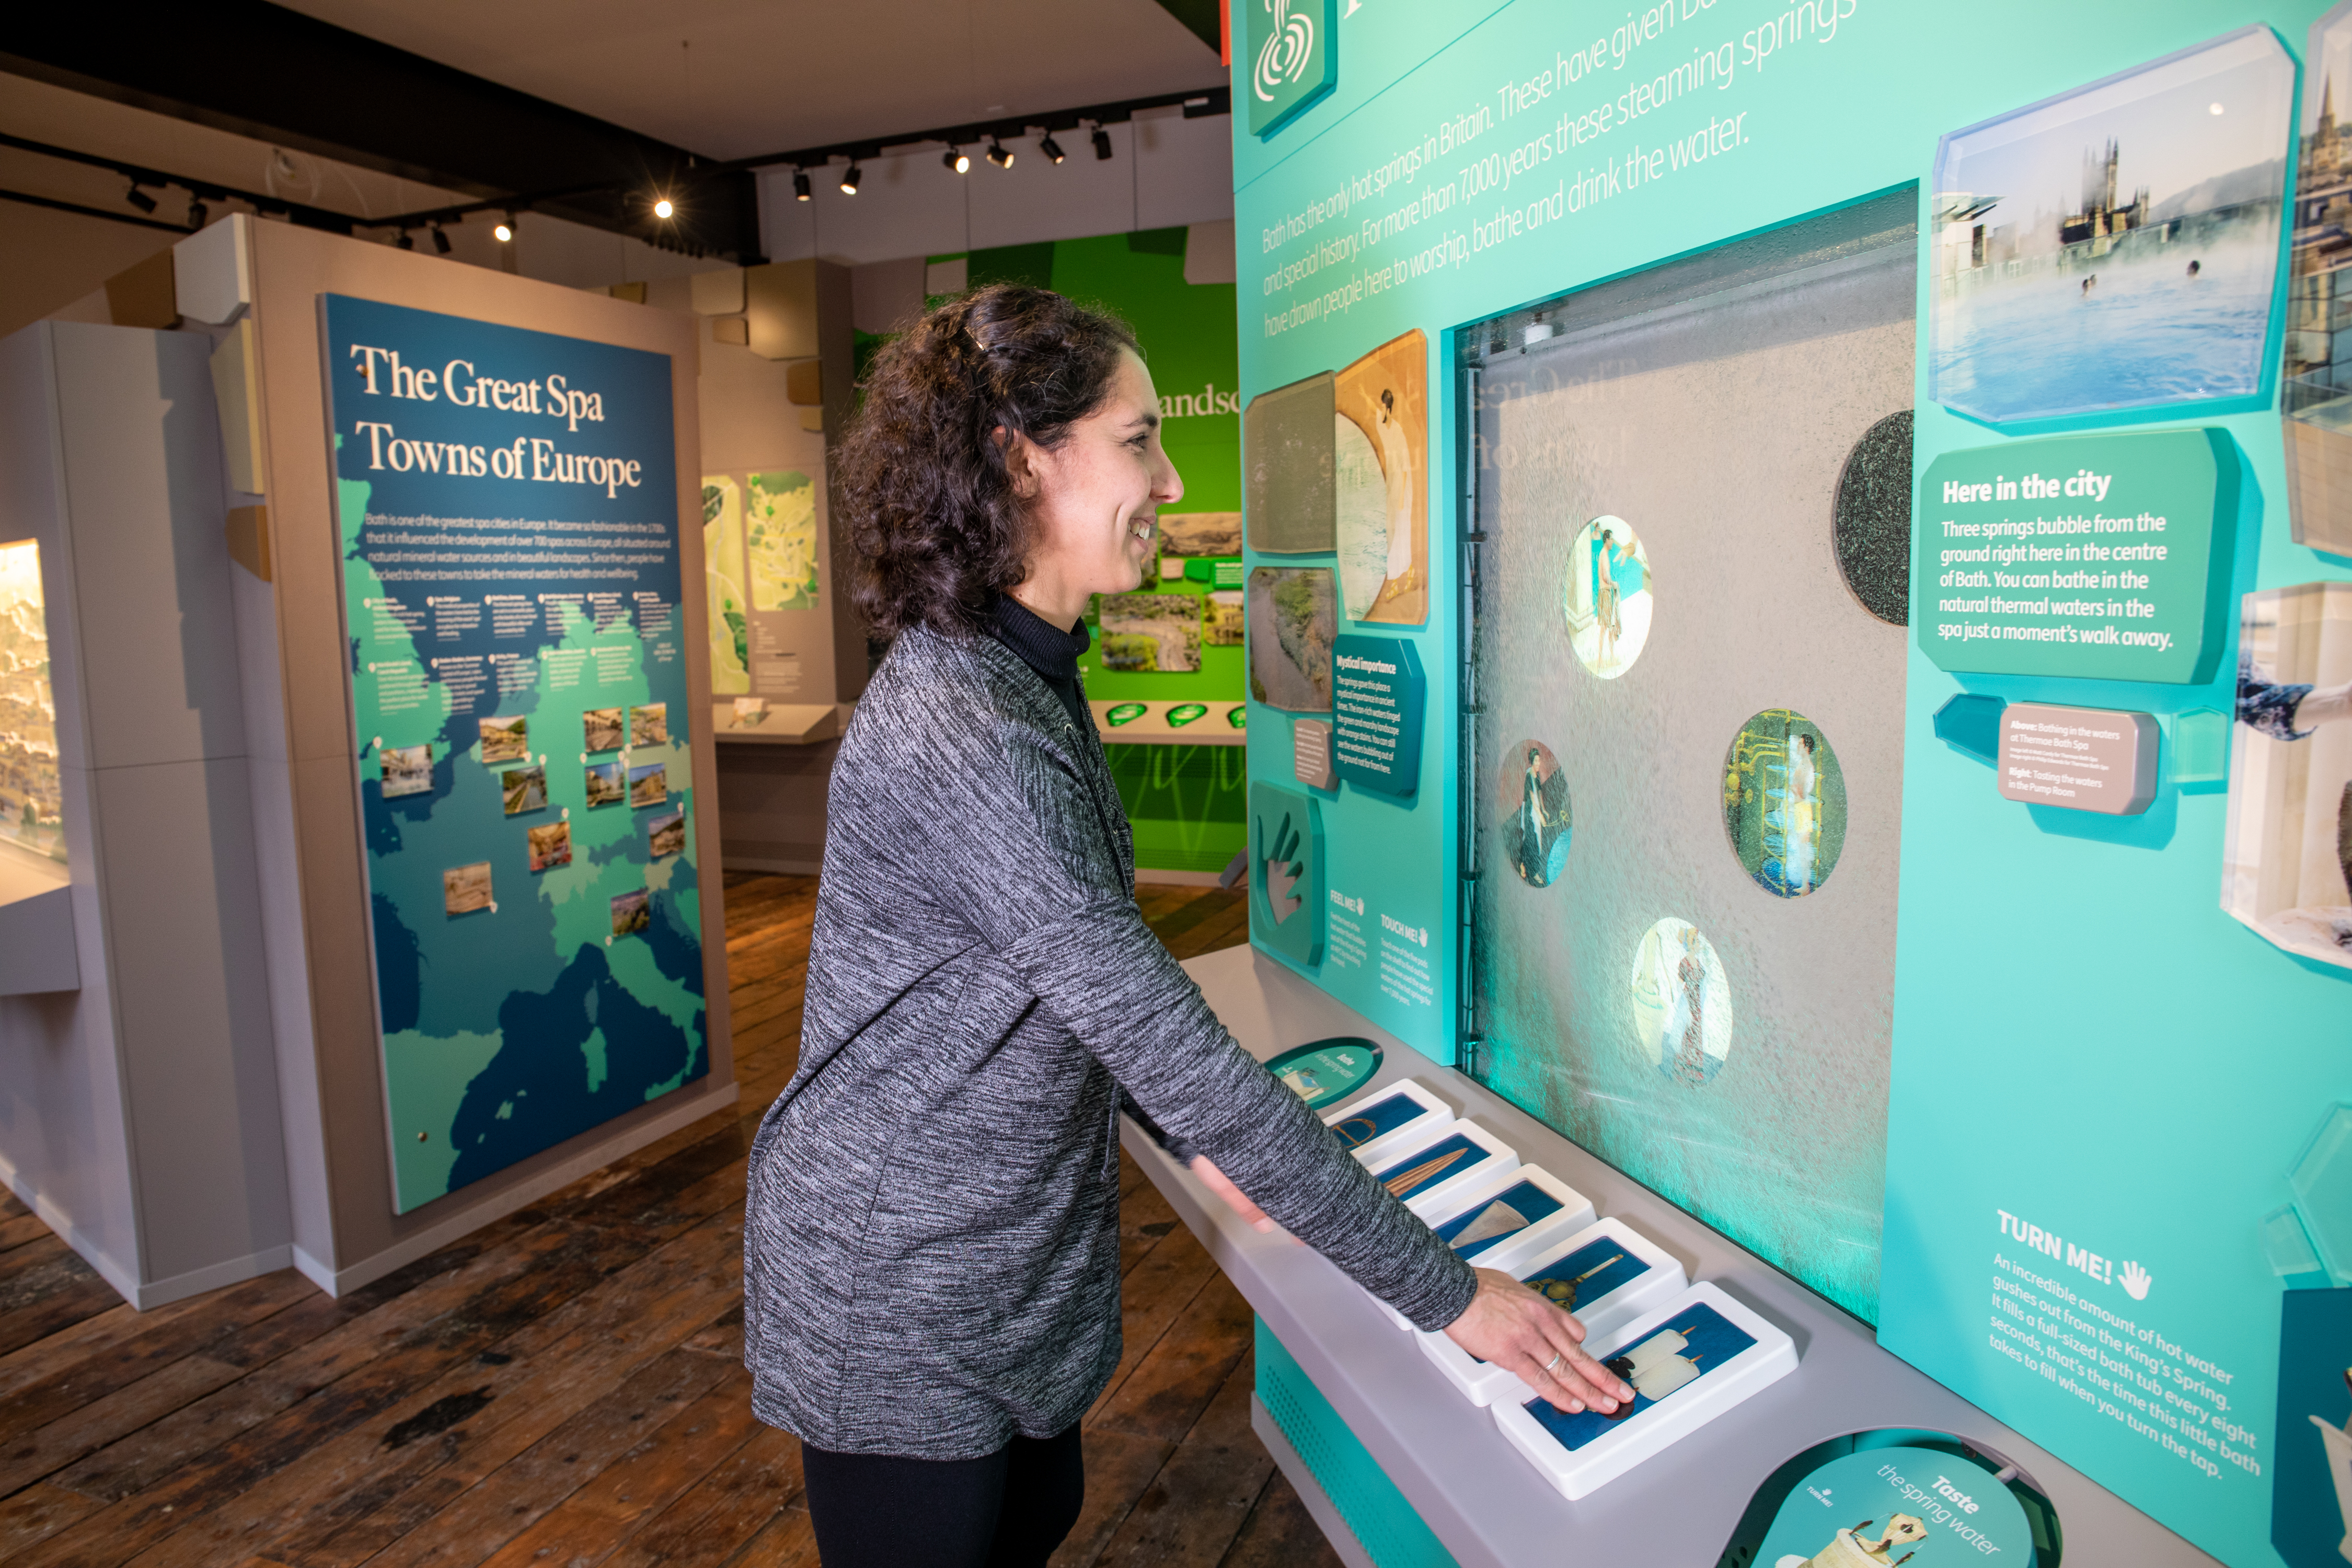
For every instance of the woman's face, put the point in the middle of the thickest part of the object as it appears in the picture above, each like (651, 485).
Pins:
(1094, 501)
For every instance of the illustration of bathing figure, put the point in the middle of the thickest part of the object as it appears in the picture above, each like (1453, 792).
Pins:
(1302, 1082)
(1604, 597)
(1396, 467)
(2339, 1443)
(1682, 983)
(1532, 856)
(1655, 1367)
(1852, 1549)
(1804, 813)
(2294, 711)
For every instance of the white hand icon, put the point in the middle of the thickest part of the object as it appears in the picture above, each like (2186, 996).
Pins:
(2136, 1282)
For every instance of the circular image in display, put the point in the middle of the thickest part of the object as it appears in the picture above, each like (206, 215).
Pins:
(1872, 523)
(1682, 1002)
(1606, 599)
(1784, 801)
(1361, 492)
(1532, 812)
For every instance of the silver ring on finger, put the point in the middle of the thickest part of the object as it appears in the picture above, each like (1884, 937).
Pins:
(1553, 1364)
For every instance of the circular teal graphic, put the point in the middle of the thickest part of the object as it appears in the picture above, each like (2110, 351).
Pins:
(1324, 1072)
(1876, 1506)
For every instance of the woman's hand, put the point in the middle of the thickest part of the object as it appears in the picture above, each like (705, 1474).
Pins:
(1517, 1329)
(1235, 1199)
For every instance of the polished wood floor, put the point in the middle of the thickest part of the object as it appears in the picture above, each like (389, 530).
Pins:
(565, 1386)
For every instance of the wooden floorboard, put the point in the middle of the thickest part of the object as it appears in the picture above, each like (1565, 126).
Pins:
(565, 1385)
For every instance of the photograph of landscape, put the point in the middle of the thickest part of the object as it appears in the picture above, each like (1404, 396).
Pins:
(1151, 632)
(526, 789)
(607, 785)
(665, 835)
(1293, 614)
(648, 785)
(465, 889)
(506, 740)
(405, 769)
(649, 725)
(600, 730)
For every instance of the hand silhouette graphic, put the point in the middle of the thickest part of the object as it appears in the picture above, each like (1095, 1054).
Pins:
(1281, 869)
(2136, 1282)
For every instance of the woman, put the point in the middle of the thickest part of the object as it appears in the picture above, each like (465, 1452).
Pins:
(931, 1246)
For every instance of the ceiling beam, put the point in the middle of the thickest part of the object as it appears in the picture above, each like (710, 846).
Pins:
(275, 75)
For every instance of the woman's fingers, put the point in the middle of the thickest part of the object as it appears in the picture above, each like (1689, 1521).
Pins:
(1513, 1327)
(1238, 1201)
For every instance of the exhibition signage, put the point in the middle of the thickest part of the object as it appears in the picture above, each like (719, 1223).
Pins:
(1293, 59)
(507, 503)
(2086, 759)
(1378, 699)
(1880, 1505)
(2099, 557)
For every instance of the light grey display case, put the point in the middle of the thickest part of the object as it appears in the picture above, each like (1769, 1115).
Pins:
(1486, 1505)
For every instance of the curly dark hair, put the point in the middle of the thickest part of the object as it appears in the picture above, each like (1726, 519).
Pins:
(930, 506)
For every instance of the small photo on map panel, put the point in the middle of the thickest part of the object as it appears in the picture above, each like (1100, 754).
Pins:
(526, 789)
(405, 769)
(649, 725)
(666, 834)
(607, 784)
(506, 740)
(630, 915)
(600, 731)
(648, 785)
(465, 889)
(550, 845)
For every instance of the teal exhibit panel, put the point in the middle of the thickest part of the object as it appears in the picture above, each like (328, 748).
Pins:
(1864, 486)
(511, 585)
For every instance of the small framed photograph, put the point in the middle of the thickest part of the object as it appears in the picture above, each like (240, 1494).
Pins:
(1689, 1362)
(1607, 1273)
(1425, 1167)
(1382, 1120)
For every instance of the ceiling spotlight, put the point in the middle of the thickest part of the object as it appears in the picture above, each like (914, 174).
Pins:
(198, 212)
(957, 159)
(1102, 142)
(998, 155)
(800, 184)
(662, 207)
(505, 231)
(1051, 148)
(407, 241)
(140, 199)
(440, 241)
(849, 179)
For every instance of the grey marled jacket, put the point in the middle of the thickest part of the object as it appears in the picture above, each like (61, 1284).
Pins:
(930, 1244)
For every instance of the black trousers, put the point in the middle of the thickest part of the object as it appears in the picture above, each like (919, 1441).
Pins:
(1006, 1509)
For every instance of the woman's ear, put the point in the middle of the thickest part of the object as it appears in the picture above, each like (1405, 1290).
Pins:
(1021, 463)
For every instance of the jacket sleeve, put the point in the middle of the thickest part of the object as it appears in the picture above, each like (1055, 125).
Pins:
(1018, 838)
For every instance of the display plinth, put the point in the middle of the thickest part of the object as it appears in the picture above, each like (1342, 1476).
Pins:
(1485, 1504)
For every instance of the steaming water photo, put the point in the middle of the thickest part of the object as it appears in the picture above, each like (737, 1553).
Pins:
(2117, 247)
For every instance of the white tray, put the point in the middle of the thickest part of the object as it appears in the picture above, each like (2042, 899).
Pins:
(1532, 1257)
(1574, 1213)
(1480, 1154)
(1620, 1446)
(1432, 1112)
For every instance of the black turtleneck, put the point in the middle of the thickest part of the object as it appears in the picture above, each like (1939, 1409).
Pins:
(1050, 652)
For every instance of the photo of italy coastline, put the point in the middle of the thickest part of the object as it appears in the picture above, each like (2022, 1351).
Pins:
(2116, 248)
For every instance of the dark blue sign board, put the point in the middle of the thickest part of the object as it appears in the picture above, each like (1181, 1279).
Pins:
(1379, 696)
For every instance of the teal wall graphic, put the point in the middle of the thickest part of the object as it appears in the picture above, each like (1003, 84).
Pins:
(2096, 1080)
(511, 568)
